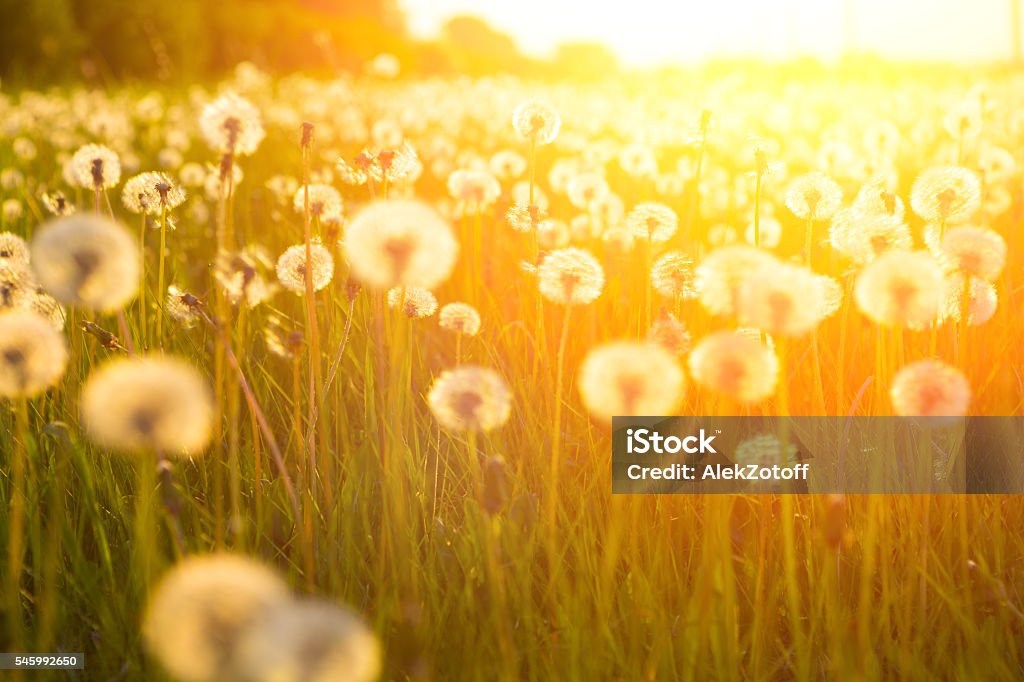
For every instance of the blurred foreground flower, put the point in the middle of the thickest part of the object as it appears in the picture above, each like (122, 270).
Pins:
(470, 398)
(152, 404)
(88, 261)
(627, 378)
(930, 388)
(33, 354)
(400, 243)
(736, 365)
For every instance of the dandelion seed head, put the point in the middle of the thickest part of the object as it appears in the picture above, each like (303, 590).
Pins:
(180, 307)
(199, 610)
(148, 405)
(781, 299)
(946, 194)
(814, 196)
(311, 641)
(626, 378)
(241, 275)
(671, 334)
(570, 276)
(901, 288)
(13, 250)
(875, 200)
(324, 201)
(47, 306)
(231, 125)
(460, 318)
(94, 166)
(291, 268)
(652, 221)
(474, 188)
(982, 302)
(470, 398)
(720, 276)
(525, 218)
(974, 251)
(862, 237)
(87, 261)
(736, 365)
(33, 355)
(399, 242)
(536, 120)
(416, 302)
(930, 388)
(150, 193)
(672, 276)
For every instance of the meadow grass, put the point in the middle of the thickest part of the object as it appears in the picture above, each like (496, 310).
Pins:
(471, 567)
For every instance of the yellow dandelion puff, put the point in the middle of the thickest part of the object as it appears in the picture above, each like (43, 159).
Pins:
(974, 251)
(470, 398)
(901, 288)
(291, 268)
(814, 196)
(94, 166)
(400, 243)
(33, 355)
(150, 404)
(460, 318)
(946, 194)
(416, 302)
(862, 237)
(474, 188)
(653, 221)
(536, 121)
(982, 304)
(930, 388)
(720, 276)
(782, 299)
(199, 610)
(181, 307)
(627, 378)
(736, 365)
(231, 125)
(88, 261)
(672, 276)
(308, 641)
(570, 277)
(669, 333)
(150, 193)
(324, 201)
(13, 250)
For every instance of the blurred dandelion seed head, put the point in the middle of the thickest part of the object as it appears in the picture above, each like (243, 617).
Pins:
(88, 261)
(399, 242)
(626, 378)
(470, 398)
(570, 277)
(148, 405)
(736, 365)
(33, 354)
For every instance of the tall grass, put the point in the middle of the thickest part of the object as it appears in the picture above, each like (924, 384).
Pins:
(350, 487)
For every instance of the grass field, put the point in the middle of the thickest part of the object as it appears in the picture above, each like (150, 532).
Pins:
(466, 518)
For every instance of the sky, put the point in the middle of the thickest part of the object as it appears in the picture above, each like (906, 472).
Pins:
(649, 32)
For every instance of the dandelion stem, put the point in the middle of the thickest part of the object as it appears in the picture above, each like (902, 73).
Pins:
(142, 282)
(15, 542)
(556, 434)
(160, 292)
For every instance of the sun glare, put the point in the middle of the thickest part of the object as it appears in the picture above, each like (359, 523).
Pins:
(646, 32)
